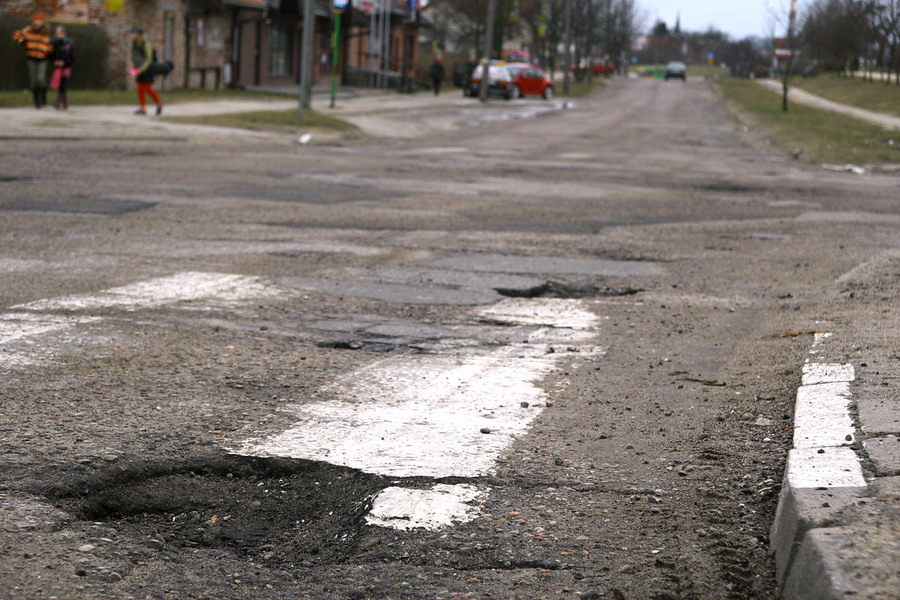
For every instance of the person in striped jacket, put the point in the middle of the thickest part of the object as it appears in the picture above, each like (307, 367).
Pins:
(35, 39)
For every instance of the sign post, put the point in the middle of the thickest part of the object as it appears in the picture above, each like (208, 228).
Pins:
(338, 8)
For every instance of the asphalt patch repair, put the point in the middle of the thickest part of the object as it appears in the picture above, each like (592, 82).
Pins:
(282, 513)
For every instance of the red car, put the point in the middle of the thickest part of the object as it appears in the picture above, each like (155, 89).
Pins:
(531, 80)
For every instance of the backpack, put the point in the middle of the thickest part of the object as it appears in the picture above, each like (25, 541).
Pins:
(158, 67)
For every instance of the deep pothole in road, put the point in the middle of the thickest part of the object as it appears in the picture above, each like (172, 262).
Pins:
(277, 512)
(559, 289)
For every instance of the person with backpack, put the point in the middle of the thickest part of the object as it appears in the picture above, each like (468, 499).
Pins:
(141, 57)
(35, 39)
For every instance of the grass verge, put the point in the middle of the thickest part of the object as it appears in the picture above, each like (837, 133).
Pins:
(822, 136)
(22, 98)
(274, 120)
(871, 95)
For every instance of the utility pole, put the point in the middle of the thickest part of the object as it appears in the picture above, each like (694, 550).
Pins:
(306, 59)
(488, 44)
(785, 81)
(568, 53)
(338, 8)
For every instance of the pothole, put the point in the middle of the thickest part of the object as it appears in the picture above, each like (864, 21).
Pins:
(732, 188)
(275, 511)
(372, 346)
(557, 289)
(76, 205)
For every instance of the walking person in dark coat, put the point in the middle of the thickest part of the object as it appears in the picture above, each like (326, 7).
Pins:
(140, 61)
(436, 72)
(63, 59)
(35, 39)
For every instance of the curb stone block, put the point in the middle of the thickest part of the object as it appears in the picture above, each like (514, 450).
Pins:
(817, 573)
(800, 511)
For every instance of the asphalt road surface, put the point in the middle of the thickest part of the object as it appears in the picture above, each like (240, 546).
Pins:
(533, 354)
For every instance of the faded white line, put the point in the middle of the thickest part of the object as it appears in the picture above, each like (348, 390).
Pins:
(434, 416)
(404, 508)
(15, 327)
(180, 287)
(20, 330)
(418, 416)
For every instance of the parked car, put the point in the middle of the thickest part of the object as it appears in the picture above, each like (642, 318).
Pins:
(676, 70)
(500, 82)
(532, 80)
(598, 66)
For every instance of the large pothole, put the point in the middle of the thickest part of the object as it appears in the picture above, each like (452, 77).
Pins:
(278, 512)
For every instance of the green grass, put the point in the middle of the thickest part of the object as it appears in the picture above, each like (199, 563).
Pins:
(580, 89)
(871, 95)
(822, 136)
(21, 98)
(273, 120)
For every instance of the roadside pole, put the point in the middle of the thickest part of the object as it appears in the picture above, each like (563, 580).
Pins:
(786, 79)
(568, 34)
(338, 9)
(486, 62)
(306, 63)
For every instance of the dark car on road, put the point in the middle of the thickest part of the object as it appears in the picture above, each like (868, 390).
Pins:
(676, 70)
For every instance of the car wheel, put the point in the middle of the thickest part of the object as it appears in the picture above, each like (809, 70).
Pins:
(513, 92)
(549, 93)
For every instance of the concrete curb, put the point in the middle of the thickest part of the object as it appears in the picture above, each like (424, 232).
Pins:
(836, 533)
(823, 478)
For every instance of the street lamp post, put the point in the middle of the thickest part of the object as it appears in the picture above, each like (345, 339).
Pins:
(568, 53)
(488, 43)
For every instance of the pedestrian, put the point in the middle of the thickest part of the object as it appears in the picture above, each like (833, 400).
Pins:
(63, 59)
(140, 59)
(436, 72)
(35, 39)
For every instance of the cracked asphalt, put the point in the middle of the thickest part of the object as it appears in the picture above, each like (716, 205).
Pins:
(171, 293)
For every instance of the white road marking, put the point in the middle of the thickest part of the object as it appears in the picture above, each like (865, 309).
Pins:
(21, 329)
(15, 327)
(180, 287)
(404, 508)
(435, 416)
(418, 416)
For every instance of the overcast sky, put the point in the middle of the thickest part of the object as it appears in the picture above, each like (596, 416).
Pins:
(737, 18)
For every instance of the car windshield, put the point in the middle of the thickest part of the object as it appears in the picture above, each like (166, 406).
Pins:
(676, 66)
(496, 72)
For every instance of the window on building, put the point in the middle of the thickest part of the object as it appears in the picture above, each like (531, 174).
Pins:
(279, 51)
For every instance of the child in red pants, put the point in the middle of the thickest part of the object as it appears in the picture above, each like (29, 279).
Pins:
(140, 57)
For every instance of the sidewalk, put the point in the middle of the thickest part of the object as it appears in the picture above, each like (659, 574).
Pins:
(837, 531)
(375, 112)
(797, 95)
